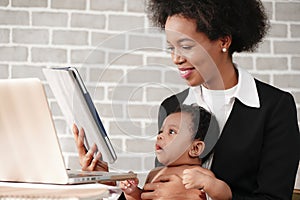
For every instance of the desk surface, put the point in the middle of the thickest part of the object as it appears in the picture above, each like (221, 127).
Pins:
(48, 191)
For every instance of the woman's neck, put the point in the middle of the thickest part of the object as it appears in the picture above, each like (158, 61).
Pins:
(225, 78)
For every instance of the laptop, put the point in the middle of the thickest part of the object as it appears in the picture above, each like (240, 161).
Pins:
(77, 106)
(29, 147)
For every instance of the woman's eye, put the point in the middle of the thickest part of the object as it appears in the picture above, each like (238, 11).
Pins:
(171, 132)
(170, 49)
(186, 47)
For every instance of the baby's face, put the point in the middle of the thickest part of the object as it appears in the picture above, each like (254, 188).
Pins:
(174, 138)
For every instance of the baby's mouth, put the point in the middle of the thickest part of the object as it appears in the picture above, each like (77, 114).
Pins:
(158, 147)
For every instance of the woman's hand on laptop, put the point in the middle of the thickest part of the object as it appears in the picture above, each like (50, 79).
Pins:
(88, 161)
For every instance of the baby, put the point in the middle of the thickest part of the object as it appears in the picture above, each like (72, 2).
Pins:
(178, 147)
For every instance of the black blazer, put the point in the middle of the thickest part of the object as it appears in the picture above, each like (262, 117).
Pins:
(258, 152)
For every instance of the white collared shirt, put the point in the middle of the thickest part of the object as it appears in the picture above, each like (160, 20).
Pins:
(220, 102)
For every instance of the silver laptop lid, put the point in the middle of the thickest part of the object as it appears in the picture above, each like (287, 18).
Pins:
(29, 147)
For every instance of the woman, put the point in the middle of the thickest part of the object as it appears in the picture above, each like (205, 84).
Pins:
(257, 154)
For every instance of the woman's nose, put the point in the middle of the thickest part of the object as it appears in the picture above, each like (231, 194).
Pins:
(177, 58)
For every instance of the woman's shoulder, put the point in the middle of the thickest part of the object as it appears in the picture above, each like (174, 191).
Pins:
(269, 93)
(266, 89)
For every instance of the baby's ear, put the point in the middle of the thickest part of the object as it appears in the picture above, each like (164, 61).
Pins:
(197, 148)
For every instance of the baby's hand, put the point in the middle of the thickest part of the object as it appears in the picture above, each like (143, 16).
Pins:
(129, 186)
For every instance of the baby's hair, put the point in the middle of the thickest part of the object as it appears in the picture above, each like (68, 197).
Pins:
(201, 119)
(244, 20)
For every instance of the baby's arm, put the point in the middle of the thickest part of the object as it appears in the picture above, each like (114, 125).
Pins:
(201, 178)
(131, 189)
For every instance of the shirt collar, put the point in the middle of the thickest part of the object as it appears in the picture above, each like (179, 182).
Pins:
(246, 91)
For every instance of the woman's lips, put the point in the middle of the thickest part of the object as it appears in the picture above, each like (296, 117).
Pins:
(186, 72)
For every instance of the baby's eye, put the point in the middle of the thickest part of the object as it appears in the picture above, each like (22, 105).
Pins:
(172, 131)
(159, 132)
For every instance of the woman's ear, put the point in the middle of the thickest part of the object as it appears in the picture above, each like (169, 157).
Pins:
(197, 148)
(225, 43)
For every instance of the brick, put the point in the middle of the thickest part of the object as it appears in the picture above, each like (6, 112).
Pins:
(4, 35)
(126, 93)
(142, 43)
(88, 21)
(295, 30)
(160, 61)
(48, 92)
(9, 17)
(96, 93)
(287, 81)
(157, 93)
(262, 77)
(269, 9)
(135, 6)
(61, 127)
(69, 4)
(149, 162)
(172, 76)
(125, 58)
(107, 5)
(245, 62)
(296, 63)
(146, 76)
(110, 41)
(55, 109)
(112, 110)
(67, 144)
(49, 19)
(286, 47)
(29, 3)
(54, 55)
(87, 56)
(129, 129)
(287, 11)
(13, 53)
(143, 145)
(151, 129)
(19, 71)
(4, 2)
(272, 63)
(70, 37)
(296, 96)
(116, 143)
(72, 162)
(4, 71)
(264, 47)
(278, 30)
(106, 75)
(30, 36)
(120, 23)
(140, 111)
(122, 163)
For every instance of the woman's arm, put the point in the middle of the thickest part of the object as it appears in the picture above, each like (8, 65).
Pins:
(168, 187)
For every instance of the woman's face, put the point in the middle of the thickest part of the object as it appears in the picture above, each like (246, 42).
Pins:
(195, 55)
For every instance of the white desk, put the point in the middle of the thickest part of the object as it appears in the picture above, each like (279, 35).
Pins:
(47, 191)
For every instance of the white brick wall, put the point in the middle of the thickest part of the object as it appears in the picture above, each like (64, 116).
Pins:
(121, 61)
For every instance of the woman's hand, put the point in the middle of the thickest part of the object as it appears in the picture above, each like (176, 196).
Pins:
(86, 158)
(170, 187)
(197, 178)
(204, 179)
